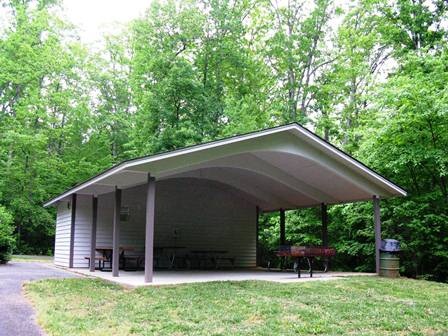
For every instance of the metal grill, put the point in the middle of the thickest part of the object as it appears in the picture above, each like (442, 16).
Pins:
(305, 252)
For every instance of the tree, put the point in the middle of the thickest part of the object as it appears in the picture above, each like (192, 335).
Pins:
(408, 142)
(6, 235)
(413, 25)
(233, 77)
(295, 51)
(167, 93)
(44, 120)
(345, 89)
(114, 118)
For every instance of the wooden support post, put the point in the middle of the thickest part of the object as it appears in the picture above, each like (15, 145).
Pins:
(93, 233)
(257, 231)
(72, 231)
(116, 233)
(377, 221)
(150, 218)
(324, 214)
(282, 227)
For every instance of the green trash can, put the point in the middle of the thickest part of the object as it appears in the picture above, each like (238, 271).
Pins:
(389, 264)
(389, 258)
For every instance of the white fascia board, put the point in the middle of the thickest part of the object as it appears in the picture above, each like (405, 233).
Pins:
(135, 162)
(296, 127)
(340, 154)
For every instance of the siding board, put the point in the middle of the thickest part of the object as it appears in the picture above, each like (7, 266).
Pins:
(83, 226)
(62, 235)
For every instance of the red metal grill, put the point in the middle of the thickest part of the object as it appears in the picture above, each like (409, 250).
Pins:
(307, 252)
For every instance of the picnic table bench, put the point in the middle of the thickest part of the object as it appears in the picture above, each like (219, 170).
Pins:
(213, 257)
(101, 261)
(106, 258)
(169, 256)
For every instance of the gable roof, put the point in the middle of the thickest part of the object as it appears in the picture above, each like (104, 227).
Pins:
(309, 147)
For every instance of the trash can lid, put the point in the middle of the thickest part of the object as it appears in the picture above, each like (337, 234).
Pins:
(390, 245)
(392, 241)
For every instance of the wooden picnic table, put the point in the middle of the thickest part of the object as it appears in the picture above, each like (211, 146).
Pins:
(172, 253)
(214, 256)
(121, 248)
(106, 252)
(209, 251)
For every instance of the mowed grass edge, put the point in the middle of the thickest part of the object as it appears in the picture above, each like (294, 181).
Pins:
(31, 258)
(357, 305)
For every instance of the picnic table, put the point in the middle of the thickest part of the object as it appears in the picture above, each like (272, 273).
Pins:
(215, 257)
(171, 252)
(107, 256)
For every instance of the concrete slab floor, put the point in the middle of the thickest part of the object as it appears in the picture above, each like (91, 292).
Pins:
(170, 277)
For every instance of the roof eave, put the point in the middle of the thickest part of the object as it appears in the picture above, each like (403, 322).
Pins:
(182, 151)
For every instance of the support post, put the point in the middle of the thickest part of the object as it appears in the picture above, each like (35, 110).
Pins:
(377, 221)
(324, 214)
(282, 227)
(93, 233)
(72, 231)
(257, 231)
(116, 233)
(149, 236)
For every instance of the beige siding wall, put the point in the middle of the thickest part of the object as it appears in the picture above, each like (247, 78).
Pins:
(83, 225)
(205, 215)
(132, 232)
(105, 217)
(62, 236)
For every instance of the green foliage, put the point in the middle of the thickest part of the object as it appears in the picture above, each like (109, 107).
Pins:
(351, 233)
(397, 126)
(294, 47)
(6, 235)
(45, 120)
(410, 26)
(197, 81)
(421, 223)
(408, 141)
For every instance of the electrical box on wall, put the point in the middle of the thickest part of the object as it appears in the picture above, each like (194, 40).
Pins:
(124, 214)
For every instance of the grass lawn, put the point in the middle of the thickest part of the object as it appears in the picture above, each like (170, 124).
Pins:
(357, 306)
(32, 258)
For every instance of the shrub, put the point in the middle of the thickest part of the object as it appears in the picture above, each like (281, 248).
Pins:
(7, 240)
